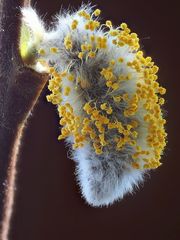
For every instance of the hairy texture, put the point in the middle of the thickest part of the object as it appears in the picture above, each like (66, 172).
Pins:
(105, 178)
(107, 97)
(20, 88)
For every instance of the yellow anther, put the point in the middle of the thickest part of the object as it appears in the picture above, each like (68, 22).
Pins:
(138, 148)
(83, 47)
(62, 108)
(135, 165)
(109, 110)
(97, 12)
(112, 62)
(86, 121)
(109, 24)
(98, 151)
(128, 76)
(107, 73)
(139, 54)
(84, 14)
(123, 26)
(105, 120)
(67, 91)
(161, 101)
(42, 51)
(134, 134)
(121, 44)
(134, 35)
(97, 148)
(121, 60)
(95, 113)
(70, 77)
(115, 86)
(68, 42)
(117, 98)
(87, 107)
(91, 54)
(102, 140)
(92, 38)
(162, 90)
(74, 24)
(103, 106)
(80, 55)
(101, 42)
(125, 97)
(51, 70)
(148, 59)
(68, 105)
(114, 41)
(132, 142)
(64, 74)
(92, 25)
(129, 126)
(54, 50)
(155, 69)
(114, 33)
(92, 135)
(109, 83)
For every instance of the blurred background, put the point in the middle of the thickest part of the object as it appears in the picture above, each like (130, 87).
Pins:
(48, 202)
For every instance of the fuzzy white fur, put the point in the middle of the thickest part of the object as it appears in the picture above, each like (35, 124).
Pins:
(102, 179)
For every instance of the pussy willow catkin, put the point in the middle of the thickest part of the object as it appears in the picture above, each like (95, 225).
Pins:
(107, 97)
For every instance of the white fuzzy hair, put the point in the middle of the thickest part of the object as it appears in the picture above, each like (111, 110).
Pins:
(104, 178)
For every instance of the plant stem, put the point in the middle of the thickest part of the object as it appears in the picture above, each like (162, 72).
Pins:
(20, 88)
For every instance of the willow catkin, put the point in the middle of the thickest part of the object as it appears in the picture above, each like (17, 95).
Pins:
(107, 96)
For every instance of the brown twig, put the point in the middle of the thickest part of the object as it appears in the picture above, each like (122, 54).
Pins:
(20, 88)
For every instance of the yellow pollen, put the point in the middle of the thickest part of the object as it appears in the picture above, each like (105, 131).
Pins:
(74, 24)
(42, 52)
(109, 24)
(80, 55)
(97, 12)
(129, 86)
(67, 91)
(54, 50)
(68, 42)
(121, 60)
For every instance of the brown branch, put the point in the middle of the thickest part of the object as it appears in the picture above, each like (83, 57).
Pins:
(20, 88)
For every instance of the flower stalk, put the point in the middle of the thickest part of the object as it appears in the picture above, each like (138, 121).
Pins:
(20, 88)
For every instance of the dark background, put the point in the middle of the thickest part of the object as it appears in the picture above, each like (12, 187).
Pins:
(48, 203)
